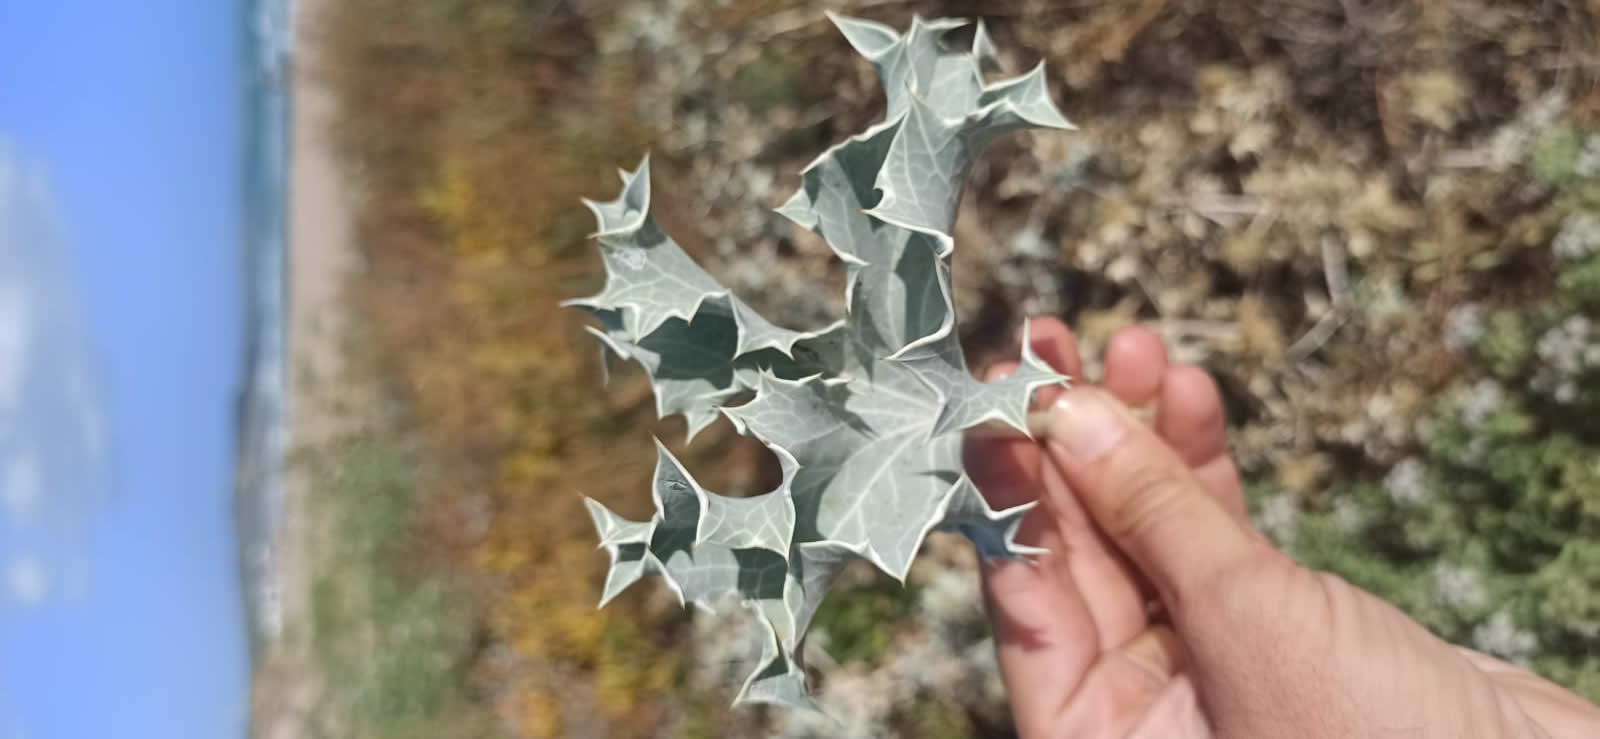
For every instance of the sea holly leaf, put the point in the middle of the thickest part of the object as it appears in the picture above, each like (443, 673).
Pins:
(870, 39)
(762, 522)
(968, 402)
(949, 113)
(614, 529)
(759, 522)
(903, 303)
(837, 188)
(927, 163)
(864, 416)
(696, 366)
(1019, 103)
(872, 475)
(779, 680)
(757, 334)
(695, 546)
(912, 64)
(697, 539)
(993, 533)
(689, 362)
(651, 280)
(891, 292)
(779, 677)
(982, 47)
(627, 542)
(701, 560)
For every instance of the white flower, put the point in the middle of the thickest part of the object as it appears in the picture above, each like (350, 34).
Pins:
(1565, 346)
(1588, 162)
(1566, 392)
(1479, 401)
(1512, 141)
(1277, 518)
(948, 602)
(1407, 482)
(1348, 515)
(858, 702)
(1459, 587)
(1463, 327)
(722, 652)
(1029, 242)
(1500, 637)
(1578, 238)
(1565, 352)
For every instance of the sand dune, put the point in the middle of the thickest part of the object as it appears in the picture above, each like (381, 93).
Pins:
(320, 258)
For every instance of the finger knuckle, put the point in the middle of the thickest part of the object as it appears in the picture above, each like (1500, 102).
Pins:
(1149, 496)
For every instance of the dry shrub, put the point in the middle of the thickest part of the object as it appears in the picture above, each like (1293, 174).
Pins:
(1233, 156)
(471, 130)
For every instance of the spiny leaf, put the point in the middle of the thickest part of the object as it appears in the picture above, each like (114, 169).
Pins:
(992, 532)
(865, 415)
(927, 163)
(650, 280)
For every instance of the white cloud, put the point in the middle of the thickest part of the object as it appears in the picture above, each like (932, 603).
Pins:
(26, 581)
(20, 485)
(16, 319)
(15, 330)
(53, 433)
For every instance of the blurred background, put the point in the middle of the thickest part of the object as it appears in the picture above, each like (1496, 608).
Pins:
(293, 436)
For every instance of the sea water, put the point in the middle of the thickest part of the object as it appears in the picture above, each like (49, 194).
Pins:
(263, 402)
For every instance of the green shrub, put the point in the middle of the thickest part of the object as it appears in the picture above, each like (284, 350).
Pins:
(1490, 534)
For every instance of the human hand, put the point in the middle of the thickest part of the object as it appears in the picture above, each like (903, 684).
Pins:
(1161, 612)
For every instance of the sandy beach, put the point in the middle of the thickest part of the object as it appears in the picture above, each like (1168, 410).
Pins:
(320, 257)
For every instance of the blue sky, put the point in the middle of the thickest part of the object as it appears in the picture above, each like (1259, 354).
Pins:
(120, 339)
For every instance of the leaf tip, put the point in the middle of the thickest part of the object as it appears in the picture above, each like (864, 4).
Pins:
(870, 39)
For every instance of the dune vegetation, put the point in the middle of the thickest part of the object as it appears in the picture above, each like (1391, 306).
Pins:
(1377, 223)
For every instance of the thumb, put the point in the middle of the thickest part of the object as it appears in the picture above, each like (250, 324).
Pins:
(1142, 495)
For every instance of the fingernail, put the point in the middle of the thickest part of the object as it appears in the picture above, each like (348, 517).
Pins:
(1084, 425)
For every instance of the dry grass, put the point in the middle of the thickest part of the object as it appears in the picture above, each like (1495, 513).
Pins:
(1292, 191)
